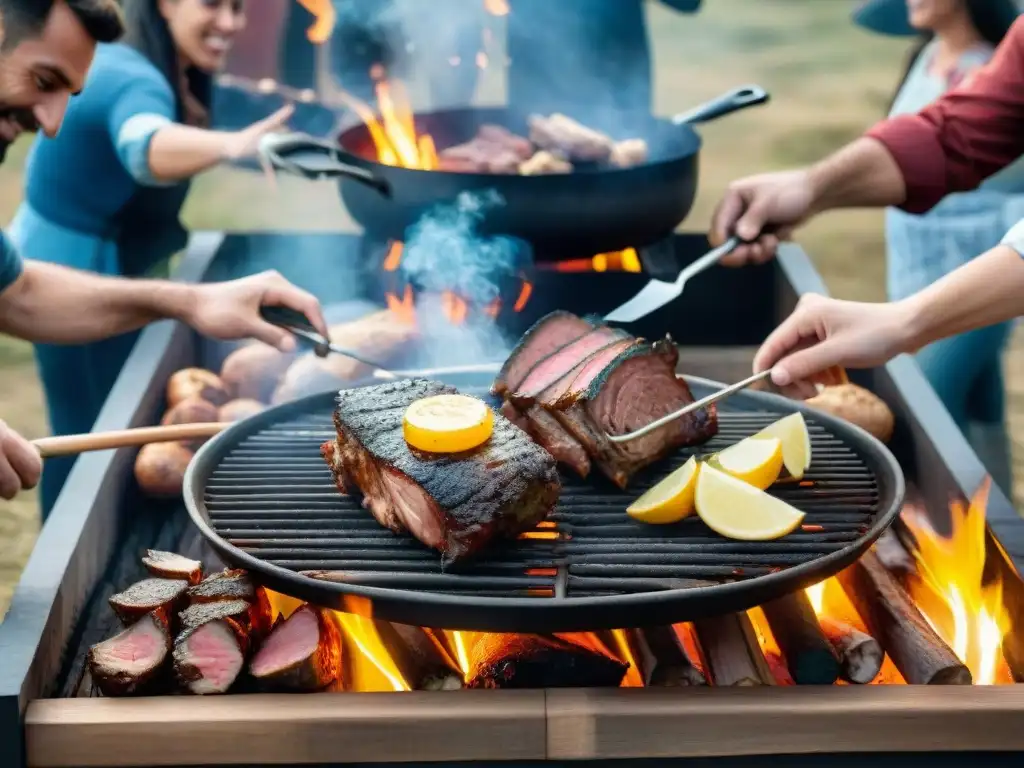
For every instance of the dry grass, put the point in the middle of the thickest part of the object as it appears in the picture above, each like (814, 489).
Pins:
(828, 82)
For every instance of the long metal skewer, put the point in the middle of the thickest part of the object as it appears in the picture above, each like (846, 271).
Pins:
(714, 397)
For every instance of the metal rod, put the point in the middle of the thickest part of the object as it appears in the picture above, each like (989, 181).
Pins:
(450, 369)
(714, 397)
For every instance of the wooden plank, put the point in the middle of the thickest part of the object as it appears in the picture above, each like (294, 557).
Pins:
(721, 722)
(266, 729)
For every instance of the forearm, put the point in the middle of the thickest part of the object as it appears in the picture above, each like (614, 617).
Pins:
(985, 291)
(860, 175)
(180, 151)
(54, 304)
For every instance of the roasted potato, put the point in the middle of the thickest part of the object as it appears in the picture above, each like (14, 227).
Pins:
(236, 410)
(187, 382)
(160, 469)
(858, 406)
(252, 372)
(192, 410)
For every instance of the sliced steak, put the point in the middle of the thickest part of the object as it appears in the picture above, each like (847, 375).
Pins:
(455, 503)
(161, 595)
(303, 653)
(639, 386)
(168, 565)
(232, 584)
(210, 657)
(125, 663)
(552, 436)
(534, 661)
(564, 359)
(551, 332)
(252, 617)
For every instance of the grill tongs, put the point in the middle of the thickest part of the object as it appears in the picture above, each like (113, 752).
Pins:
(714, 397)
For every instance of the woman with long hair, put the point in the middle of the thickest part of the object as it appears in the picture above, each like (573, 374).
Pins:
(106, 193)
(955, 38)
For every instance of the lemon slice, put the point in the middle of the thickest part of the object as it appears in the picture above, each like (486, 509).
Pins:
(670, 500)
(447, 423)
(756, 460)
(737, 510)
(796, 442)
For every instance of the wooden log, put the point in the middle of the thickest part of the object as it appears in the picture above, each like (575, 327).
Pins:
(419, 658)
(662, 660)
(732, 656)
(892, 618)
(809, 655)
(893, 555)
(860, 655)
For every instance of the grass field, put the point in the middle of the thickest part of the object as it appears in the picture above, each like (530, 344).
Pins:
(828, 80)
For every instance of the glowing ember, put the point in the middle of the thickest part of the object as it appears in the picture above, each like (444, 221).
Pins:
(616, 261)
(967, 613)
(323, 25)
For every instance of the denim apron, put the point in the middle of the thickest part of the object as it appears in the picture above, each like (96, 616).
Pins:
(965, 370)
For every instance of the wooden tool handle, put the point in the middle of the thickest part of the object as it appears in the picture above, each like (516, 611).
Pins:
(71, 445)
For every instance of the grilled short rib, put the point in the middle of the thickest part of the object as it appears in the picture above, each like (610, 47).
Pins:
(455, 503)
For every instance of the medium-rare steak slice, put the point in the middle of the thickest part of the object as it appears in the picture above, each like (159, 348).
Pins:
(233, 584)
(168, 565)
(551, 435)
(253, 617)
(209, 657)
(499, 660)
(544, 337)
(637, 387)
(303, 653)
(455, 503)
(126, 662)
(160, 595)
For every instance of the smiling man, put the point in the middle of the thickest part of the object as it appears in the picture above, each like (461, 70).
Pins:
(47, 49)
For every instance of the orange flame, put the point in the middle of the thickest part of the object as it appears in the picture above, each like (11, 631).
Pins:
(393, 131)
(323, 25)
(372, 663)
(967, 613)
(616, 261)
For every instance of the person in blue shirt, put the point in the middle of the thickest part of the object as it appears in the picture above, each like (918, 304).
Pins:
(46, 50)
(105, 195)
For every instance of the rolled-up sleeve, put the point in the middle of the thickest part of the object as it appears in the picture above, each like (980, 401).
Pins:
(141, 109)
(1015, 237)
(11, 265)
(970, 133)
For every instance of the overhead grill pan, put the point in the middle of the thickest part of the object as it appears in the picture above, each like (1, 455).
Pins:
(263, 497)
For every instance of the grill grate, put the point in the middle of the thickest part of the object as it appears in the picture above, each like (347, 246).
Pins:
(269, 497)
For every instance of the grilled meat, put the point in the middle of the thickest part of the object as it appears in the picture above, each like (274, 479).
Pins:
(168, 565)
(548, 334)
(160, 595)
(226, 585)
(626, 154)
(125, 663)
(539, 661)
(561, 134)
(209, 657)
(455, 503)
(545, 163)
(494, 149)
(303, 653)
(252, 617)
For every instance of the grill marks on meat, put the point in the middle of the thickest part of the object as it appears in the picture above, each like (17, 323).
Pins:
(601, 382)
(303, 653)
(168, 565)
(127, 662)
(160, 595)
(539, 661)
(455, 503)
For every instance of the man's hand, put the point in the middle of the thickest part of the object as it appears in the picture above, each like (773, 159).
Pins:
(232, 310)
(823, 333)
(778, 200)
(20, 463)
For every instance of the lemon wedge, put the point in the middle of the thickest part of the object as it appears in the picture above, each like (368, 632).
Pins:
(796, 442)
(737, 510)
(447, 423)
(755, 460)
(670, 500)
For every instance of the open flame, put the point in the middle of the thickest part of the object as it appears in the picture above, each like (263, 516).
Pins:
(323, 25)
(950, 590)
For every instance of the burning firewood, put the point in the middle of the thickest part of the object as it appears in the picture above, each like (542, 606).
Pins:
(809, 655)
(662, 660)
(892, 618)
(536, 661)
(303, 653)
(126, 663)
(893, 555)
(419, 657)
(860, 655)
(731, 652)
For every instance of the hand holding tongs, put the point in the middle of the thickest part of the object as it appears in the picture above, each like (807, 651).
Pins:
(714, 397)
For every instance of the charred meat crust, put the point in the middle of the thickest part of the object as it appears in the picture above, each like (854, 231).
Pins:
(539, 661)
(168, 565)
(253, 617)
(233, 584)
(118, 670)
(314, 671)
(160, 595)
(552, 331)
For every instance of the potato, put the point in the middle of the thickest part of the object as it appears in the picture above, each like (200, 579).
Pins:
(253, 371)
(236, 410)
(858, 406)
(192, 410)
(160, 469)
(187, 382)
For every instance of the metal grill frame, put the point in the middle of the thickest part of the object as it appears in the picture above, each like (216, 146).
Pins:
(551, 614)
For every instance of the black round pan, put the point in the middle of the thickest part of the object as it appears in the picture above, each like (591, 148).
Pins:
(591, 210)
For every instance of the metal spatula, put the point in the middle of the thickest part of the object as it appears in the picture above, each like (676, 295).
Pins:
(657, 293)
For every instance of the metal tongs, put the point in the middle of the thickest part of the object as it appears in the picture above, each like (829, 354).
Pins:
(714, 397)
